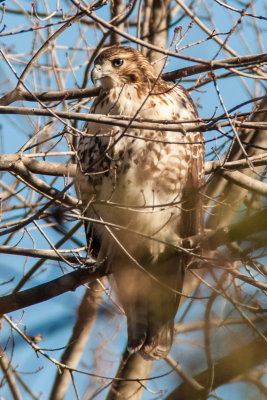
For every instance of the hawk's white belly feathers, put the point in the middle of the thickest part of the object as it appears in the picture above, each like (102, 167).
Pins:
(147, 170)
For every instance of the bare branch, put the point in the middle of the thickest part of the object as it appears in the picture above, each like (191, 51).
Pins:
(48, 290)
(8, 161)
(225, 370)
(131, 370)
(8, 373)
(238, 62)
(47, 254)
(178, 126)
(85, 320)
(216, 322)
(245, 182)
(257, 161)
(211, 239)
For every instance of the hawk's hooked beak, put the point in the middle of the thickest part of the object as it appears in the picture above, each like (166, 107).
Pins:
(103, 74)
(96, 74)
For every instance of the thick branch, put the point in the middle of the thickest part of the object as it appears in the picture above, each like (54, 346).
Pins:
(216, 322)
(48, 290)
(246, 182)
(234, 62)
(228, 368)
(257, 161)
(87, 314)
(231, 197)
(60, 95)
(132, 367)
(14, 164)
(172, 76)
(177, 126)
(8, 374)
(99, 118)
(60, 169)
(211, 239)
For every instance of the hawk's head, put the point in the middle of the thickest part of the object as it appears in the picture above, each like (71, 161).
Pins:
(118, 65)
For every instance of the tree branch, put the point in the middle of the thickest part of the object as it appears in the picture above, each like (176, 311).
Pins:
(212, 239)
(8, 373)
(245, 182)
(132, 368)
(225, 370)
(80, 334)
(257, 161)
(234, 62)
(59, 169)
(177, 126)
(47, 254)
(216, 322)
(172, 76)
(48, 290)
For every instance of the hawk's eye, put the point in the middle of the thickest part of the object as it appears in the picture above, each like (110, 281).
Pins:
(117, 62)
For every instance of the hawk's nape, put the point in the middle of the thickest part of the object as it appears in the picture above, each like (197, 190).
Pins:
(142, 189)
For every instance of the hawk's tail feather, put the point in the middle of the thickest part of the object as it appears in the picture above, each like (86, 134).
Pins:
(159, 346)
(136, 337)
(137, 325)
(151, 321)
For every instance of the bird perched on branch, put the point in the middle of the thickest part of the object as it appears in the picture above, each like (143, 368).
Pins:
(140, 188)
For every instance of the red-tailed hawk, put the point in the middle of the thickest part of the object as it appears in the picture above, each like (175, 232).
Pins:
(146, 182)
